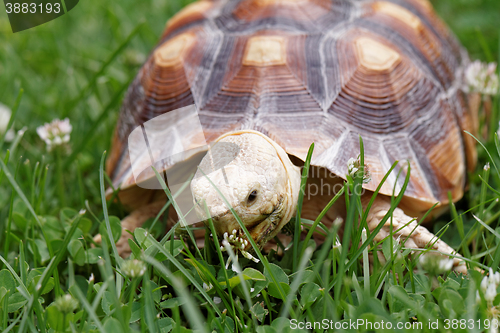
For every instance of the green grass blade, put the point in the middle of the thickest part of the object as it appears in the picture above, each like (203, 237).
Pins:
(148, 304)
(487, 152)
(294, 287)
(107, 271)
(371, 237)
(487, 227)
(9, 219)
(460, 223)
(190, 309)
(485, 183)
(221, 259)
(105, 211)
(297, 231)
(11, 326)
(23, 289)
(177, 209)
(180, 267)
(246, 290)
(34, 180)
(319, 218)
(20, 193)
(484, 45)
(41, 189)
(22, 258)
(366, 264)
(377, 190)
(52, 267)
(5, 161)
(89, 309)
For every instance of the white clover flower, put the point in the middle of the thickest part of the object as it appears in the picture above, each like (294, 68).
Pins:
(489, 286)
(133, 268)
(481, 77)
(354, 165)
(217, 300)
(494, 277)
(238, 244)
(66, 303)
(235, 268)
(5, 114)
(56, 133)
(435, 264)
(491, 292)
(249, 256)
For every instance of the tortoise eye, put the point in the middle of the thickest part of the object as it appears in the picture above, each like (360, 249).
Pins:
(252, 196)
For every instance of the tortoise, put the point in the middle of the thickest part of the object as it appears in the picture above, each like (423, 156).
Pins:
(270, 77)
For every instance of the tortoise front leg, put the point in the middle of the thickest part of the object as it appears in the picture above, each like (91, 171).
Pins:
(407, 230)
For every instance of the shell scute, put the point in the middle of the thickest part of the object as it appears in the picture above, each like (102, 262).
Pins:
(436, 53)
(292, 15)
(381, 95)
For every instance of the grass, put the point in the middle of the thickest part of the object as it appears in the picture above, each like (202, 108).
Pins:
(52, 204)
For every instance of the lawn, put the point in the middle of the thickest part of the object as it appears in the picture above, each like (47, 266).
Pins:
(78, 66)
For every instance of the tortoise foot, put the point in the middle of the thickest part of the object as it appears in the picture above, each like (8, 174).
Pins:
(406, 231)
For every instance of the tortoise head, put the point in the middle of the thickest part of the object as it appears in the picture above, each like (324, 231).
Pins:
(258, 180)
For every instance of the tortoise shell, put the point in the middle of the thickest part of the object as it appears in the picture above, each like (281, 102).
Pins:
(322, 71)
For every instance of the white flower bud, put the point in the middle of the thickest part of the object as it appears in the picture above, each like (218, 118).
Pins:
(66, 304)
(133, 268)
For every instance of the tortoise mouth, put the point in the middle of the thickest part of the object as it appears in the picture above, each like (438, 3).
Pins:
(258, 230)
(239, 240)
(261, 229)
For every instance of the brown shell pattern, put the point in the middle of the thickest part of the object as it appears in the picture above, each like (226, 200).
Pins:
(322, 71)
